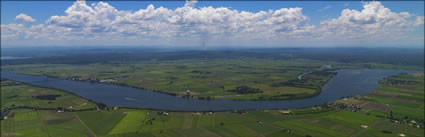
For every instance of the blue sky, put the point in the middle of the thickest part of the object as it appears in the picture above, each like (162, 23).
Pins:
(315, 13)
(42, 10)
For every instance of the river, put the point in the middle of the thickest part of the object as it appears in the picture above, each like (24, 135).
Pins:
(348, 82)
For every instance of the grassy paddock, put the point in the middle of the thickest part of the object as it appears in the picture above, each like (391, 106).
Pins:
(400, 98)
(15, 94)
(206, 79)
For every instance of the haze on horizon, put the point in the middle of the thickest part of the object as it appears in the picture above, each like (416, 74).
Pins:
(206, 26)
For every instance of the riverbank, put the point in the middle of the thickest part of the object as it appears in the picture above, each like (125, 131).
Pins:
(108, 95)
(213, 80)
(257, 97)
(20, 94)
(333, 119)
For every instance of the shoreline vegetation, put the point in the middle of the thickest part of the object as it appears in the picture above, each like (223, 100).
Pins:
(98, 105)
(300, 82)
(203, 79)
(391, 110)
(217, 74)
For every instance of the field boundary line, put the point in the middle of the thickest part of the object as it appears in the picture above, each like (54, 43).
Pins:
(84, 124)
(212, 133)
(197, 123)
(271, 124)
(213, 120)
(365, 129)
(44, 126)
(178, 132)
(109, 133)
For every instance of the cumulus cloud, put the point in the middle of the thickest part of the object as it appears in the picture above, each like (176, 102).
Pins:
(24, 18)
(12, 30)
(190, 3)
(419, 20)
(103, 19)
(373, 22)
(101, 22)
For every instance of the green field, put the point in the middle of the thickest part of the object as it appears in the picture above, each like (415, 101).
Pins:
(129, 122)
(15, 94)
(402, 96)
(207, 79)
(261, 78)
(397, 94)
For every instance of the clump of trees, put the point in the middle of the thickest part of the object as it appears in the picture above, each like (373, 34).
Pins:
(390, 81)
(47, 97)
(200, 72)
(245, 90)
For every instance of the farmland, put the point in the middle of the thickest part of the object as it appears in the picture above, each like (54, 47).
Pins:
(213, 74)
(207, 78)
(381, 113)
(399, 97)
(15, 94)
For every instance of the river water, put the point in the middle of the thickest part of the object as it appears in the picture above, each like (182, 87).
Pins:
(348, 82)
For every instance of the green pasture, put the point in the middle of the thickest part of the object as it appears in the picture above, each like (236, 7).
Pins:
(403, 100)
(15, 94)
(212, 78)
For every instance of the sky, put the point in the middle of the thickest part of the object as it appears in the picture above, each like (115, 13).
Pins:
(207, 24)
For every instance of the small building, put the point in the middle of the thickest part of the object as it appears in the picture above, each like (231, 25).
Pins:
(4, 114)
(163, 113)
(60, 109)
(188, 93)
(106, 81)
(326, 67)
(285, 112)
(317, 108)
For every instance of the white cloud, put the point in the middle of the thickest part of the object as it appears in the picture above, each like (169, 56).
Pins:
(373, 22)
(190, 3)
(419, 20)
(101, 23)
(325, 8)
(24, 18)
(101, 19)
(11, 31)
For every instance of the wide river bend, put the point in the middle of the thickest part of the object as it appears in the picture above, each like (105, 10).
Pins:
(348, 82)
